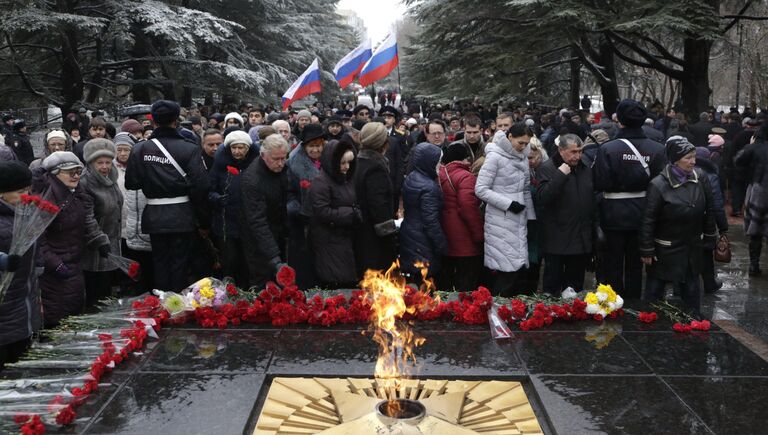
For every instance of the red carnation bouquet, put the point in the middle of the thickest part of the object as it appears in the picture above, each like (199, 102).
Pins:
(32, 216)
(128, 266)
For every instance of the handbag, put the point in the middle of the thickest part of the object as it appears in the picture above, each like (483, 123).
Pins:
(723, 250)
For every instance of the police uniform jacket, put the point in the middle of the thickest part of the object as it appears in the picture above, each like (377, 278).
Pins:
(151, 172)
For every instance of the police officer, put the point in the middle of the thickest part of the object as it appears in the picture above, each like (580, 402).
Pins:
(19, 142)
(396, 152)
(622, 170)
(169, 171)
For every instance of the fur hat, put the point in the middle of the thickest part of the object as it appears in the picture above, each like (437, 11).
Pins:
(240, 137)
(311, 132)
(373, 136)
(99, 147)
(61, 160)
(14, 175)
(131, 126)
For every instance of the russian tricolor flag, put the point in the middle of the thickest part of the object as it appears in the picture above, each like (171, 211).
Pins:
(383, 61)
(350, 65)
(307, 83)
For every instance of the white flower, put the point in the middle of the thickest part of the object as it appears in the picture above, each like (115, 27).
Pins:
(619, 302)
(568, 294)
(611, 306)
(602, 313)
(592, 308)
(602, 296)
(205, 302)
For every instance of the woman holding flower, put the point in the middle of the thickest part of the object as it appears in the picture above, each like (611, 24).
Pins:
(230, 160)
(20, 307)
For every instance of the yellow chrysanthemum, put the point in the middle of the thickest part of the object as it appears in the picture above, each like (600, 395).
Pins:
(207, 292)
(591, 298)
(608, 290)
(205, 282)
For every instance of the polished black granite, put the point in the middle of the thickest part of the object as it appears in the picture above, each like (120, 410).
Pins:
(606, 377)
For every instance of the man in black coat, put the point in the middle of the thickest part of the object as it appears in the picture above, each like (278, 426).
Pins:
(622, 170)
(176, 186)
(376, 241)
(263, 214)
(565, 197)
(18, 141)
(396, 152)
(701, 130)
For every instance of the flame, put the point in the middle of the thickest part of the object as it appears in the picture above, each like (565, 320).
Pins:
(396, 340)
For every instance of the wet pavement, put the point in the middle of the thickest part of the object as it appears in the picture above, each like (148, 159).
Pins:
(619, 376)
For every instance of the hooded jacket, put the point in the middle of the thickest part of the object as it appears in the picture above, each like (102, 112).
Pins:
(334, 217)
(503, 179)
(421, 234)
(461, 219)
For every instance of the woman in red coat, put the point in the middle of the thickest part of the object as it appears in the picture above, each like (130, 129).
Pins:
(462, 221)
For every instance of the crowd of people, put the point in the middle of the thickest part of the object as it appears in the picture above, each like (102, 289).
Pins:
(465, 195)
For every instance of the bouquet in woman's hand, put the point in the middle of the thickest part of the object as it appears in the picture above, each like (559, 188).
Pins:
(128, 266)
(32, 216)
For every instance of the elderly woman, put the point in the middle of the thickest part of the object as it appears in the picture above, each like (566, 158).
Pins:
(679, 219)
(100, 183)
(20, 308)
(263, 217)
(303, 166)
(230, 161)
(55, 140)
(504, 185)
(65, 241)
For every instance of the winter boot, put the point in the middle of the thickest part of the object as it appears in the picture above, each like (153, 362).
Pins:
(755, 247)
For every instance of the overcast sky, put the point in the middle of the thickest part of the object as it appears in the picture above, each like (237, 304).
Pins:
(378, 15)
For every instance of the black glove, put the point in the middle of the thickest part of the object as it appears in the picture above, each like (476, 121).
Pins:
(13, 263)
(516, 207)
(63, 272)
(104, 251)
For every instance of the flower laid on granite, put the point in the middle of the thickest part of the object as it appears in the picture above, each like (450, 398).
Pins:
(647, 317)
(208, 292)
(603, 302)
(683, 322)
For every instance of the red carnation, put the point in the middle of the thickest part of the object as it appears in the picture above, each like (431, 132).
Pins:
(647, 317)
(305, 184)
(133, 270)
(233, 170)
(231, 289)
(66, 416)
(286, 276)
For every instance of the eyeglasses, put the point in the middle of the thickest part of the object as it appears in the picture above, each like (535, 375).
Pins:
(75, 172)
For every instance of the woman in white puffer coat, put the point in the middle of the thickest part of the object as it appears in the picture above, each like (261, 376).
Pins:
(503, 185)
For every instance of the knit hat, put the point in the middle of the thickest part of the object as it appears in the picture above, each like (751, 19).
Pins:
(677, 148)
(335, 119)
(715, 140)
(702, 153)
(99, 147)
(631, 113)
(234, 115)
(14, 175)
(131, 126)
(311, 132)
(240, 137)
(61, 160)
(124, 138)
(164, 111)
(411, 121)
(304, 114)
(56, 134)
(456, 151)
(373, 136)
